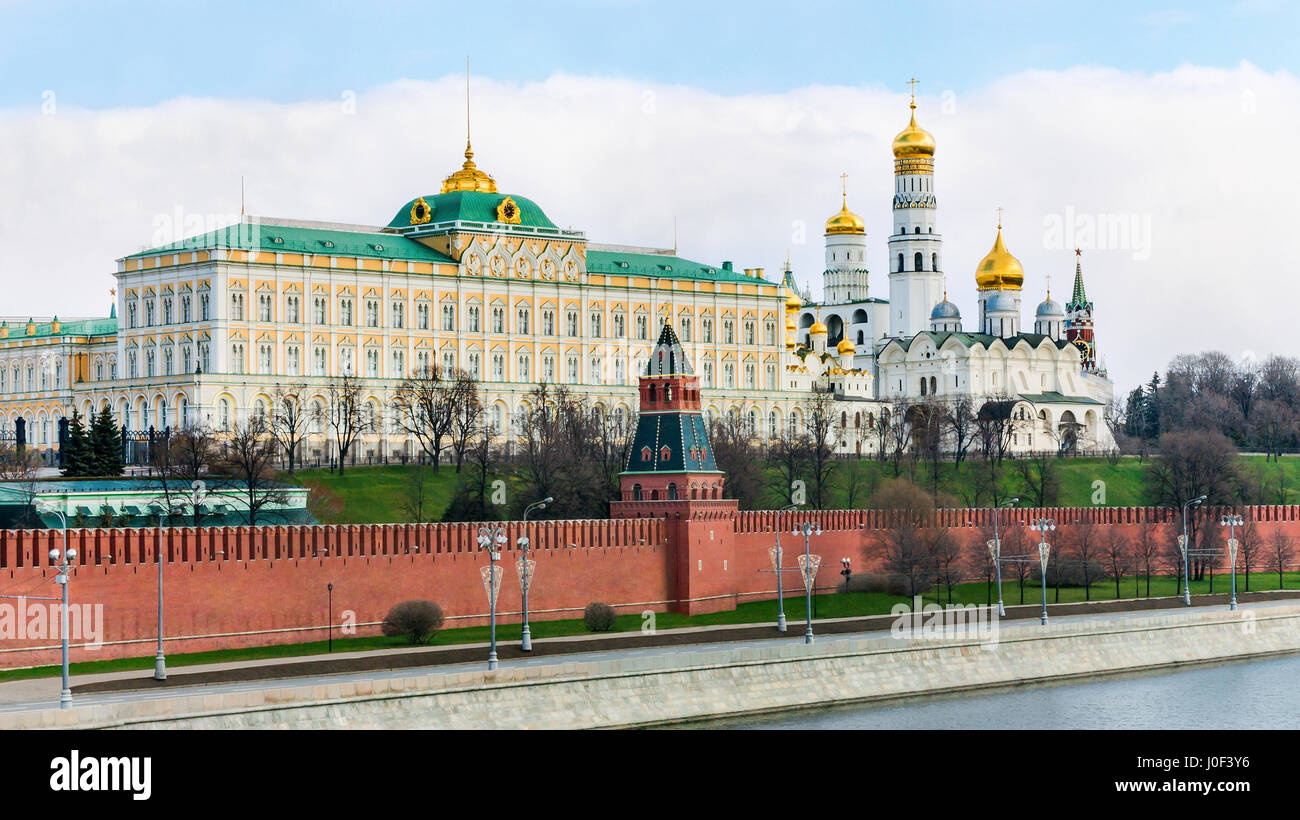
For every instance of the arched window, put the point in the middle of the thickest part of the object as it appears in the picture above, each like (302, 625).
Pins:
(917, 229)
(636, 492)
(900, 263)
(934, 261)
(672, 491)
(919, 261)
(923, 386)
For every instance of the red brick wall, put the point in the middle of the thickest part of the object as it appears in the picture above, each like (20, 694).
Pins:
(227, 587)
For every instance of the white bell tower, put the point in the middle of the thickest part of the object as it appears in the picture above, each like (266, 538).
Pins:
(915, 247)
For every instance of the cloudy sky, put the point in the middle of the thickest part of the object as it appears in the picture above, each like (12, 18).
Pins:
(1159, 140)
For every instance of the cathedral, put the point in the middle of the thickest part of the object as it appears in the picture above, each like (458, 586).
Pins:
(913, 347)
(215, 328)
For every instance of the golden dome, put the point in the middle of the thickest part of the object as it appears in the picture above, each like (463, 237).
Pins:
(999, 270)
(845, 346)
(792, 300)
(845, 221)
(818, 329)
(913, 141)
(469, 177)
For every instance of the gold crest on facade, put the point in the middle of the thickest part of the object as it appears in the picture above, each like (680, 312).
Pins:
(508, 211)
(421, 213)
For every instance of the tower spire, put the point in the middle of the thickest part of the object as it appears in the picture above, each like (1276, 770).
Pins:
(1079, 298)
(469, 177)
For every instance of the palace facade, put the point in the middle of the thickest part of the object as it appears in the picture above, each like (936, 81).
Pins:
(209, 329)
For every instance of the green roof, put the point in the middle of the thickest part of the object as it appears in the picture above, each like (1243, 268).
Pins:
(662, 267)
(80, 327)
(282, 239)
(472, 206)
(1052, 397)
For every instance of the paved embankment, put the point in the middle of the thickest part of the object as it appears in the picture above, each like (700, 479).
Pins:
(713, 682)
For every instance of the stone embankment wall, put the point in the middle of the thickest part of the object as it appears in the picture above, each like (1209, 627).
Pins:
(658, 689)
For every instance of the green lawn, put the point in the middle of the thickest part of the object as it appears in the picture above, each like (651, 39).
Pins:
(827, 605)
(377, 495)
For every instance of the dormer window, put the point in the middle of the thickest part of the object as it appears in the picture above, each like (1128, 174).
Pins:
(645, 454)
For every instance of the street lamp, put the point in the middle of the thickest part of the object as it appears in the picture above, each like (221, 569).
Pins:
(62, 560)
(808, 564)
(1044, 526)
(778, 559)
(1232, 522)
(329, 590)
(847, 572)
(995, 549)
(488, 537)
(1183, 547)
(526, 568)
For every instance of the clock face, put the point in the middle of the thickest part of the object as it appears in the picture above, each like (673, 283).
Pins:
(1083, 347)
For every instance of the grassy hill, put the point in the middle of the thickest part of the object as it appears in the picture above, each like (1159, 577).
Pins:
(372, 495)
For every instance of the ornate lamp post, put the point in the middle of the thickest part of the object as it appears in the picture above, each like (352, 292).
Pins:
(1232, 522)
(847, 571)
(198, 494)
(778, 557)
(63, 561)
(526, 567)
(1044, 526)
(995, 550)
(1183, 548)
(808, 564)
(489, 537)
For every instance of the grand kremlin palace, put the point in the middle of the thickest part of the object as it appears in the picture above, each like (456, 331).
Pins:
(204, 329)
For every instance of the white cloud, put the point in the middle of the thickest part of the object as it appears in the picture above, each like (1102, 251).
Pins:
(1202, 155)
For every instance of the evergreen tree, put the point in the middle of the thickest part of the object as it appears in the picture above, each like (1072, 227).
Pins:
(1151, 419)
(105, 445)
(78, 459)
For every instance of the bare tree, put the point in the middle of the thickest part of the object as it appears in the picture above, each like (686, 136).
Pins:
(249, 464)
(178, 464)
(959, 419)
(1250, 549)
(1281, 552)
(1040, 477)
(344, 414)
(1146, 548)
(1118, 552)
(288, 422)
(819, 419)
(949, 556)
(466, 416)
(737, 454)
(426, 406)
(1082, 541)
(789, 454)
(908, 550)
(22, 467)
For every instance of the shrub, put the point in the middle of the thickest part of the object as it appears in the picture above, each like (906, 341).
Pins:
(598, 617)
(416, 620)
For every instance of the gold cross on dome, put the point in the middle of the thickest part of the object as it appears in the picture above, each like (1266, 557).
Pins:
(912, 82)
(1000, 217)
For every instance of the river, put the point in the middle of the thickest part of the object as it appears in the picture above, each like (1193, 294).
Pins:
(1260, 694)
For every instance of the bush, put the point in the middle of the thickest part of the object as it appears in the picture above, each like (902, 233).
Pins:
(416, 620)
(598, 617)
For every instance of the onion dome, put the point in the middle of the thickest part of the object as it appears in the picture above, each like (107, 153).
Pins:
(1050, 309)
(818, 329)
(945, 310)
(845, 221)
(913, 141)
(845, 346)
(999, 270)
(469, 177)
